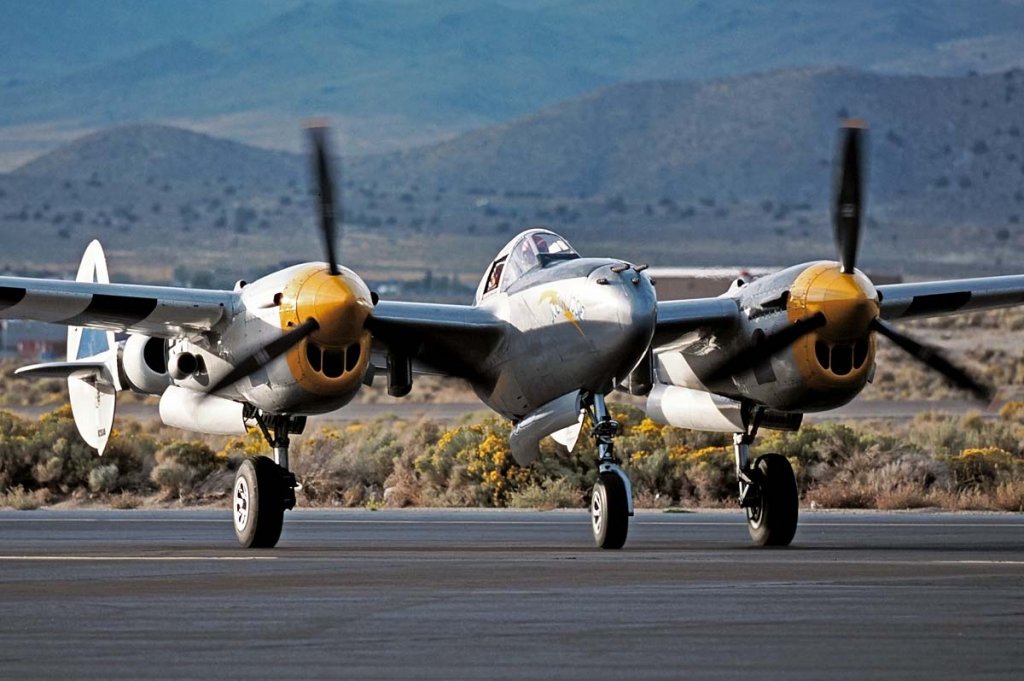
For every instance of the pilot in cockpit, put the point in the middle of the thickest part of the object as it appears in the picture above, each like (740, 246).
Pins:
(492, 283)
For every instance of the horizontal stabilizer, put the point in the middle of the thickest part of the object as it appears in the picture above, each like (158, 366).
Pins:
(61, 369)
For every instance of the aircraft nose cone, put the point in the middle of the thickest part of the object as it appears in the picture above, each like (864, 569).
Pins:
(632, 295)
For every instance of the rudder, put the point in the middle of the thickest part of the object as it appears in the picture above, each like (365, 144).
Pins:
(93, 393)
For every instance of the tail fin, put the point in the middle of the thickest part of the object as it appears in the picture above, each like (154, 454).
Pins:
(93, 390)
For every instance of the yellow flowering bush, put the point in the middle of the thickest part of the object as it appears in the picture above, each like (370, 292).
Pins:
(1012, 411)
(244, 446)
(475, 463)
(983, 467)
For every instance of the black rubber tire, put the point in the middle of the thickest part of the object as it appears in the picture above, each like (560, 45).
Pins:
(772, 522)
(609, 510)
(260, 481)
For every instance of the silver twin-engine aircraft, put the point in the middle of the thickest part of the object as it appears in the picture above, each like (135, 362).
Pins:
(550, 334)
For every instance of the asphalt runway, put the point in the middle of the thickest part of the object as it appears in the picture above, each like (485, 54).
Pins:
(506, 594)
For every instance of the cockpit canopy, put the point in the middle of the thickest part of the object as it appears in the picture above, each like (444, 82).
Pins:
(530, 250)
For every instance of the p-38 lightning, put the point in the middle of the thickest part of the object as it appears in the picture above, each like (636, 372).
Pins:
(549, 336)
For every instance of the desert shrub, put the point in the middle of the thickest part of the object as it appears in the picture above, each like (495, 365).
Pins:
(903, 497)
(196, 455)
(181, 466)
(1012, 411)
(50, 454)
(241, 447)
(546, 495)
(103, 478)
(982, 468)
(349, 465)
(402, 488)
(1009, 496)
(362, 462)
(471, 465)
(48, 471)
(125, 501)
(839, 495)
(21, 499)
(134, 454)
(712, 473)
(173, 478)
(15, 458)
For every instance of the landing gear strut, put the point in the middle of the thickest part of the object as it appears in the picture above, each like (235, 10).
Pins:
(612, 502)
(768, 493)
(264, 489)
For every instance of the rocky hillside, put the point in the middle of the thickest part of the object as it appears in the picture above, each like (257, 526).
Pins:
(949, 142)
(699, 165)
(143, 154)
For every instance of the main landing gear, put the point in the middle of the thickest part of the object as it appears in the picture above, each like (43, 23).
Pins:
(768, 493)
(264, 489)
(612, 502)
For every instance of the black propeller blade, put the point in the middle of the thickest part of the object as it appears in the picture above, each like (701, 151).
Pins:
(330, 217)
(767, 347)
(330, 214)
(850, 176)
(931, 358)
(267, 354)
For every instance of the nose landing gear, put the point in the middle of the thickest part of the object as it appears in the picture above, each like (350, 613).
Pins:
(611, 504)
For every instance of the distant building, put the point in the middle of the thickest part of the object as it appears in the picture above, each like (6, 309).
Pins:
(32, 340)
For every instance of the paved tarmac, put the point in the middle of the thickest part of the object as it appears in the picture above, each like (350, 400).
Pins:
(506, 594)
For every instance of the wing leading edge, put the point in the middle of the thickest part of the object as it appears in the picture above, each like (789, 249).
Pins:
(898, 301)
(676, 318)
(159, 311)
(935, 298)
(450, 339)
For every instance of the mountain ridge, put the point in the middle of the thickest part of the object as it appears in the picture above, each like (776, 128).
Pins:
(954, 142)
(429, 71)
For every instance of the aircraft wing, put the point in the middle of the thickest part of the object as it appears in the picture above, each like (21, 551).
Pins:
(676, 318)
(454, 340)
(159, 311)
(934, 298)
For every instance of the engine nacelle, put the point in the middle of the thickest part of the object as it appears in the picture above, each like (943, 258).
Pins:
(201, 413)
(144, 364)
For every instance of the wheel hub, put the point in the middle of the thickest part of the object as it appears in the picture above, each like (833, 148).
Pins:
(752, 501)
(241, 504)
(597, 512)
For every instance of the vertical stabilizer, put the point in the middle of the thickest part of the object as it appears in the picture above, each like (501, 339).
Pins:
(93, 392)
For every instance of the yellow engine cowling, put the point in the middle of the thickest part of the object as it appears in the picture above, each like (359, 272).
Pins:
(840, 355)
(334, 359)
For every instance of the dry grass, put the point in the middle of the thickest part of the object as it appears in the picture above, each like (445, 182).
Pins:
(547, 495)
(21, 499)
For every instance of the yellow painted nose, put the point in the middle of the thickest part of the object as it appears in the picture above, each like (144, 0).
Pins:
(848, 301)
(338, 303)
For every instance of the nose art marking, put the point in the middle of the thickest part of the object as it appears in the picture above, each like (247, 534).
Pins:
(559, 306)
